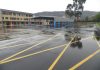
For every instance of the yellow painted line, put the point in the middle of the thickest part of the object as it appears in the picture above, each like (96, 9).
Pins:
(32, 54)
(84, 60)
(60, 55)
(28, 48)
(37, 53)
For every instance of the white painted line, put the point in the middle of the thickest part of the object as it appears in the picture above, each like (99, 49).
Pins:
(38, 52)
(19, 45)
(28, 48)
(19, 39)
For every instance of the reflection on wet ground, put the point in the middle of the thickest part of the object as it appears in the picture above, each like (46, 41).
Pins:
(77, 44)
(78, 51)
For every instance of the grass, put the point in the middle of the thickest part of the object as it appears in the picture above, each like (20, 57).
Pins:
(98, 24)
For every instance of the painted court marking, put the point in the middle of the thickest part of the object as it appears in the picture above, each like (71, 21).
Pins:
(84, 60)
(16, 41)
(22, 44)
(18, 45)
(28, 49)
(60, 55)
(37, 53)
(31, 54)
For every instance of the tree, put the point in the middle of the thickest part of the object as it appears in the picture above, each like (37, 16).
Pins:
(75, 9)
(97, 17)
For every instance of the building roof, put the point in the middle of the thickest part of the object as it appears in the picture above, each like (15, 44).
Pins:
(63, 19)
(43, 17)
(15, 11)
(57, 19)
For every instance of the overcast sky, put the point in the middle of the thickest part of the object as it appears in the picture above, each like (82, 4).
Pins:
(34, 6)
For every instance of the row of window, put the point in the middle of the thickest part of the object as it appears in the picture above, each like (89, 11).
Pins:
(16, 14)
(13, 18)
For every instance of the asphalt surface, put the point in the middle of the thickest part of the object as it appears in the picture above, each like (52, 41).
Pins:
(43, 54)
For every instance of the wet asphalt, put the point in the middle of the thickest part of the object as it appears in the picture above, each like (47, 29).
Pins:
(43, 61)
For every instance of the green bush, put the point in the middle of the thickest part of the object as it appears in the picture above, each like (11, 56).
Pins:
(97, 17)
(98, 24)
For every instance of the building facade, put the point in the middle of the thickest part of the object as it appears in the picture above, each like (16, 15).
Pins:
(14, 18)
(53, 22)
(45, 21)
(62, 22)
(10, 18)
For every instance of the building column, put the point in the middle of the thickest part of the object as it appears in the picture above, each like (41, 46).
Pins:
(54, 24)
(4, 27)
(58, 24)
(10, 26)
(24, 24)
(20, 24)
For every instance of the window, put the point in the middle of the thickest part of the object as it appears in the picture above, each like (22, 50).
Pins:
(21, 19)
(26, 15)
(14, 14)
(17, 18)
(9, 13)
(2, 17)
(4, 13)
(19, 14)
(13, 18)
(26, 19)
(6, 18)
